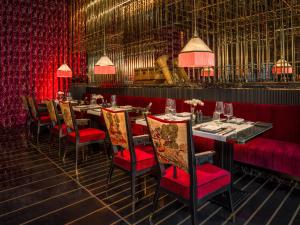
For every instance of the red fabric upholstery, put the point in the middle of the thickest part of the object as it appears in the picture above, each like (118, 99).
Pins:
(45, 119)
(87, 135)
(146, 148)
(144, 160)
(270, 154)
(137, 129)
(203, 144)
(285, 131)
(209, 179)
(63, 127)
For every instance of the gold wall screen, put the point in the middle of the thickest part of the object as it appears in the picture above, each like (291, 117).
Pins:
(247, 36)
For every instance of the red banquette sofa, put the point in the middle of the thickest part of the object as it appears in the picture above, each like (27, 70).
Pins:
(277, 150)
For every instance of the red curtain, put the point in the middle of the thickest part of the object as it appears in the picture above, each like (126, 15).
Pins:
(33, 40)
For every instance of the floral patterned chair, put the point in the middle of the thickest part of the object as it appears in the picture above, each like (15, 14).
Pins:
(58, 129)
(183, 178)
(37, 119)
(82, 137)
(135, 160)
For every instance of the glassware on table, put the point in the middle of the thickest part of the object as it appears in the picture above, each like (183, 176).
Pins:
(113, 101)
(228, 110)
(219, 110)
(216, 116)
(170, 106)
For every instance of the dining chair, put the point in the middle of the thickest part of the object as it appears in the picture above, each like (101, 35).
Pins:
(28, 115)
(58, 128)
(80, 137)
(37, 119)
(134, 160)
(180, 175)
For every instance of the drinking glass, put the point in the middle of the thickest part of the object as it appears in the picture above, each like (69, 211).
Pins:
(228, 110)
(113, 101)
(219, 107)
(170, 106)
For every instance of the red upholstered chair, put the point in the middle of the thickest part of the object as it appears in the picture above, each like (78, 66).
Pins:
(58, 128)
(180, 175)
(37, 119)
(135, 160)
(82, 137)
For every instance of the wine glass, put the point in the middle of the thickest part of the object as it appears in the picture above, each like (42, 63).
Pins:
(219, 110)
(170, 106)
(228, 110)
(113, 101)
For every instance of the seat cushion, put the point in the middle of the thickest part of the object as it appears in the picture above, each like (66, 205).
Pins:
(63, 127)
(45, 119)
(209, 179)
(144, 160)
(271, 154)
(146, 148)
(87, 135)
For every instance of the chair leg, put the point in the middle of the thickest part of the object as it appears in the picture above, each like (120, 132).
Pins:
(38, 133)
(155, 201)
(133, 180)
(76, 161)
(231, 205)
(193, 208)
(59, 146)
(109, 175)
(105, 149)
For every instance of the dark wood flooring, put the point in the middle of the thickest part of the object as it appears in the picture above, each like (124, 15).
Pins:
(36, 187)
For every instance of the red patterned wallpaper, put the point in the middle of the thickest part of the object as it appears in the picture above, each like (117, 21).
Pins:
(31, 50)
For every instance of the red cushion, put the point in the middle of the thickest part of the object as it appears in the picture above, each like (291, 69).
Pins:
(86, 135)
(209, 179)
(146, 148)
(270, 154)
(63, 127)
(45, 119)
(144, 160)
(202, 144)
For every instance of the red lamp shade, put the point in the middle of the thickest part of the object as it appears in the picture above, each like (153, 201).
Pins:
(104, 66)
(207, 71)
(282, 67)
(64, 71)
(196, 54)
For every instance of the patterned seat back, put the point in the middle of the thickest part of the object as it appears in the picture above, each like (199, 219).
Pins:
(52, 111)
(117, 128)
(172, 142)
(119, 132)
(33, 108)
(68, 117)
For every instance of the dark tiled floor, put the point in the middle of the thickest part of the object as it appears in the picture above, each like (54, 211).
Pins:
(37, 188)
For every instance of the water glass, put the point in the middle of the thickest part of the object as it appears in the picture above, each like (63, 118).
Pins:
(170, 106)
(219, 107)
(113, 101)
(228, 110)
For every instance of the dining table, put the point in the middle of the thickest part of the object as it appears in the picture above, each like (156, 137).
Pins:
(225, 134)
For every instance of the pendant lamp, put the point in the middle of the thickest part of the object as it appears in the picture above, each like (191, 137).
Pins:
(196, 53)
(104, 64)
(282, 67)
(64, 71)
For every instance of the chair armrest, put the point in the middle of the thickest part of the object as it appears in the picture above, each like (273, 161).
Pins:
(203, 157)
(141, 139)
(83, 122)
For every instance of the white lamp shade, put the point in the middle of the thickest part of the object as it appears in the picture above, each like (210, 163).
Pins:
(196, 54)
(64, 71)
(104, 66)
(282, 66)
